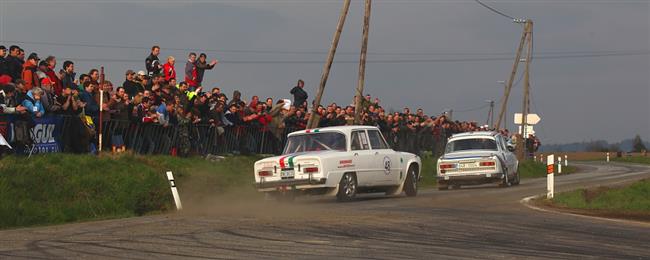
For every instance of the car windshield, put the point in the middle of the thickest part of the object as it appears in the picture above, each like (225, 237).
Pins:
(471, 144)
(315, 142)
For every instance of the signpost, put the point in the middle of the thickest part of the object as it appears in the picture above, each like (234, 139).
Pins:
(550, 163)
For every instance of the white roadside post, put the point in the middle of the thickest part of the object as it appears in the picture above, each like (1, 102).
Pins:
(550, 162)
(559, 164)
(541, 158)
(177, 199)
(607, 157)
(566, 160)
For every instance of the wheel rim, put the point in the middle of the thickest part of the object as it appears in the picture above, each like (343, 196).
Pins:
(349, 186)
(414, 180)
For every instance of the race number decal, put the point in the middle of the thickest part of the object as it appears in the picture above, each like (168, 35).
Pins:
(387, 165)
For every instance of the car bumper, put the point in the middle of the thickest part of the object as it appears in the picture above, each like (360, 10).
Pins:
(483, 177)
(289, 183)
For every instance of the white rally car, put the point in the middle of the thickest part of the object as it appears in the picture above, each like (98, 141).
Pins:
(341, 161)
(477, 158)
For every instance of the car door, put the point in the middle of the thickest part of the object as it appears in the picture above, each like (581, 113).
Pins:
(362, 157)
(386, 163)
(509, 157)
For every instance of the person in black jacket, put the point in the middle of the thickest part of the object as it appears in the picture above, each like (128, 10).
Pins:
(201, 65)
(152, 62)
(299, 95)
(14, 64)
(68, 75)
(4, 68)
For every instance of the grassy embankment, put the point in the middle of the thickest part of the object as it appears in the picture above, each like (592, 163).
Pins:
(632, 201)
(58, 188)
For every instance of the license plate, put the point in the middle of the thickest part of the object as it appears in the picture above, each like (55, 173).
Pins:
(466, 165)
(286, 173)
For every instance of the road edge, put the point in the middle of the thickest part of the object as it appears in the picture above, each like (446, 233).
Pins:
(526, 202)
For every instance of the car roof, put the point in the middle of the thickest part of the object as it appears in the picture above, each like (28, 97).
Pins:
(344, 129)
(476, 134)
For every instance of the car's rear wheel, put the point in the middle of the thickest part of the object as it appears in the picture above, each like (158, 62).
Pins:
(506, 180)
(347, 188)
(516, 179)
(411, 182)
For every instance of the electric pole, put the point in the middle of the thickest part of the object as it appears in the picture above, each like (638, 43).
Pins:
(526, 102)
(358, 97)
(506, 94)
(315, 118)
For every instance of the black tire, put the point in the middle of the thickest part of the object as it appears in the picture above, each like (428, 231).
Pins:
(411, 182)
(443, 185)
(517, 179)
(347, 188)
(456, 186)
(505, 183)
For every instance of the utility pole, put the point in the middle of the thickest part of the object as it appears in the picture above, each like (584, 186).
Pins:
(315, 118)
(490, 119)
(506, 94)
(526, 103)
(358, 97)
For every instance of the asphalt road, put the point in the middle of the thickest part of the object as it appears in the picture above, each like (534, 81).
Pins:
(481, 222)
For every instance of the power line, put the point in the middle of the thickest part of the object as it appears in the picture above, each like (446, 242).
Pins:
(495, 10)
(384, 61)
(275, 51)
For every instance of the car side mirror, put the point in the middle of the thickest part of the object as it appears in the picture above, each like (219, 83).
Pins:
(511, 148)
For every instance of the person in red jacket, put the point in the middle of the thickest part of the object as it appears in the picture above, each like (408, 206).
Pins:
(29, 72)
(57, 85)
(190, 71)
(169, 70)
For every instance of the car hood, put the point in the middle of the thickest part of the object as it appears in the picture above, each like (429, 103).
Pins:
(468, 155)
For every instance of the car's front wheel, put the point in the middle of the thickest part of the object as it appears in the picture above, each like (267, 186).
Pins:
(411, 182)
(347, 188)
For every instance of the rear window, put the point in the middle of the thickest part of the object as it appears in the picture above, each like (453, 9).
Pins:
(471, 144)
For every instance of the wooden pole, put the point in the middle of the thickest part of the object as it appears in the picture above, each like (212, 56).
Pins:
(315, 118)
(526, 102)
(362, 64)
(506, 93)
(101, 106)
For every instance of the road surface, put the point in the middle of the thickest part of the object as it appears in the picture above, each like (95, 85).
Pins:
(481, 222)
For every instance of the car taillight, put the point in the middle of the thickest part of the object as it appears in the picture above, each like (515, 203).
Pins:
(487, 163)
(311, 169)
(265, 173)
(447, 166)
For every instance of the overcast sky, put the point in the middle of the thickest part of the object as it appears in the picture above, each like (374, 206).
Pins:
(462, 49)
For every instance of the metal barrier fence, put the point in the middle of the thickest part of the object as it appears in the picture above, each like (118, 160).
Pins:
(71, 136)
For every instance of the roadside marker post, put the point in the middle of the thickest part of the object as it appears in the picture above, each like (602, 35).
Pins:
(177, 198)
(541, 158)
(607, 157)
(550, 163)
(566, 160)
(559, 164)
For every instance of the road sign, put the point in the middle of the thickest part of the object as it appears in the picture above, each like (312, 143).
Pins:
(531, 119)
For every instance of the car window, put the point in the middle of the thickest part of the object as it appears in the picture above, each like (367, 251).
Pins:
(359, 141)
(315, 142)
(471, 144)
(376, 140)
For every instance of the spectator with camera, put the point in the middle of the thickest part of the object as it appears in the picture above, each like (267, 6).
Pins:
(152, 63)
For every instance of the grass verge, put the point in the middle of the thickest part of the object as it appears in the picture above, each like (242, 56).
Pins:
(61, 188)
(632, 201)
(532, 169)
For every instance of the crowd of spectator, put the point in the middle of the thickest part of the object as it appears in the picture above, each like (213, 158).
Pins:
(32, 88)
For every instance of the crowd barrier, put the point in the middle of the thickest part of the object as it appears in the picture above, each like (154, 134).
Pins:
(67, 134)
